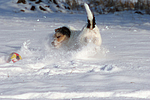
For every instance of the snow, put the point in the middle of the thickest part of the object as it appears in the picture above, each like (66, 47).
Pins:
(119, 71)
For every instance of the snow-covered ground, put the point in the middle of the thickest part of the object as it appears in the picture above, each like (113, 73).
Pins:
(119, 71)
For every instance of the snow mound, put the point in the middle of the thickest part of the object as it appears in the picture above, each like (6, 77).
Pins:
(45, 6)
(69, 95)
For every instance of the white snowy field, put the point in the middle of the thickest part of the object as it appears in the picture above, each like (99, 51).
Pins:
(119, 71)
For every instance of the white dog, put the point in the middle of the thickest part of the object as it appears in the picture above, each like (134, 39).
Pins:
(65, 36)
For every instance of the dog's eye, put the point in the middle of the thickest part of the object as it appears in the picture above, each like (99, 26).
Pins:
(58, 36)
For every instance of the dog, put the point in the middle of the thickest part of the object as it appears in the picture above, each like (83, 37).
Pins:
(66, 36)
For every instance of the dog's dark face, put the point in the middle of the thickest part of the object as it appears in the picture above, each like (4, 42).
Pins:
(61, 34)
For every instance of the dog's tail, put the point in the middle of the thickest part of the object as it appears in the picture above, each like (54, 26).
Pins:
(91, 19)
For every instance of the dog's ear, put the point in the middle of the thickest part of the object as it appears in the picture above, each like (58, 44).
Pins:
(64, 30)
(57, 29)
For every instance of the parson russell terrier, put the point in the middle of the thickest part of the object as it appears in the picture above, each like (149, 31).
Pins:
(65, 36)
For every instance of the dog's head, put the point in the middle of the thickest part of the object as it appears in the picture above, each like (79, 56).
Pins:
(61, 34)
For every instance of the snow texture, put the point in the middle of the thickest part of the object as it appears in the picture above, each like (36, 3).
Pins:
(118, 71)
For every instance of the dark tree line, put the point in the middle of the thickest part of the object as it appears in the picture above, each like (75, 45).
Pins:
(99, 6)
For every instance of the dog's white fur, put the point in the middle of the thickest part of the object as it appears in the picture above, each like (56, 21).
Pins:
(89, 34)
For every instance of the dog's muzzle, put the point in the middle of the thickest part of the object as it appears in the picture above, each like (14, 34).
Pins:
(55, 44)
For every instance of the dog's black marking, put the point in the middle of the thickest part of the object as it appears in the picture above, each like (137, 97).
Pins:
(64, 30)
(93, 23)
